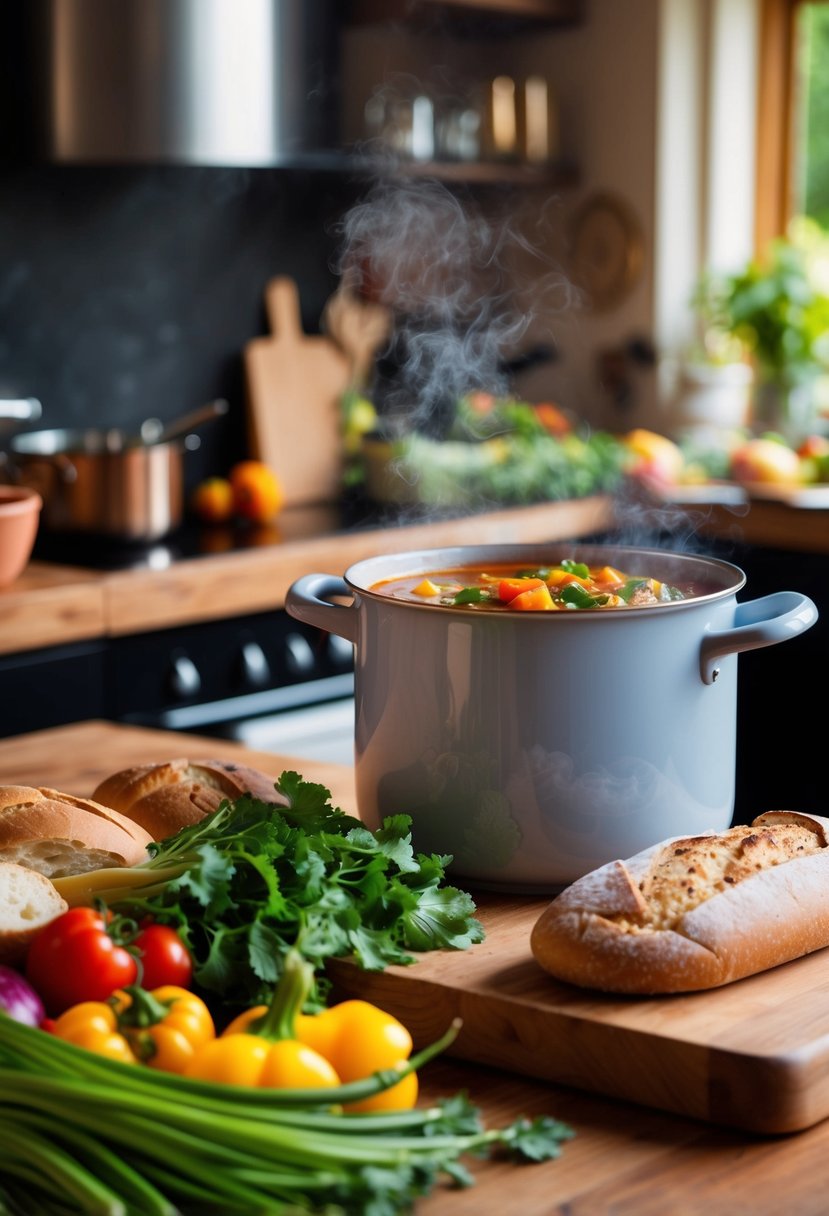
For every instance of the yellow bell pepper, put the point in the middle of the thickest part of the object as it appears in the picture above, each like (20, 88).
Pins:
(94, 1025)
(266, 1052)
(166, 1027)
(358, 1039)
(163, 1028)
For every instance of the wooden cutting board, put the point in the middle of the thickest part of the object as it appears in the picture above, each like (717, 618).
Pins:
(294, 385)
(753, 1054)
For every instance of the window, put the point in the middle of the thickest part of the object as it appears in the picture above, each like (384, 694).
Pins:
(793, 129)
(810, 169)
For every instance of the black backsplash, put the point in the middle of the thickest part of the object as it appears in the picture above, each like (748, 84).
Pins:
(131, 292)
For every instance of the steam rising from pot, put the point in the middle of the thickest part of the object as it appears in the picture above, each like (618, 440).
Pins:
(464, 286)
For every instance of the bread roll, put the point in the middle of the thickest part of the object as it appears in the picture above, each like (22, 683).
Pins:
(58, 834)
(693, 912)
(165, 797)
(28, 901)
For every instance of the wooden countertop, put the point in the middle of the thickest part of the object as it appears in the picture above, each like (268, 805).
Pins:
(51, 604)
(626, 1160)
(771, 524)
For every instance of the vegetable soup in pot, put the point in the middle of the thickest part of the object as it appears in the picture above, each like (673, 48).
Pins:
(566, 585)
(533, 746)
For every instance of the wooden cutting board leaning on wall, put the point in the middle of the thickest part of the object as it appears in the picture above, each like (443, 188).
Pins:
(295, 382)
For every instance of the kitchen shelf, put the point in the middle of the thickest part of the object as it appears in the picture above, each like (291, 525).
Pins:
(497, 14)
(491, 173)
(483, 173)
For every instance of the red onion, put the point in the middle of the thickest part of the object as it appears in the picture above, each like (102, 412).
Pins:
(19, 999)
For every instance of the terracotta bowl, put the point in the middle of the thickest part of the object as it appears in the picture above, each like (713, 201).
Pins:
(20, 510)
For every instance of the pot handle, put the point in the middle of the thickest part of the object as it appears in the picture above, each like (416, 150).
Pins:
(763, 622)
(308, 600)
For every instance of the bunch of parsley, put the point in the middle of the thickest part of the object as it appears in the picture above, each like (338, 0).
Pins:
(254, 879)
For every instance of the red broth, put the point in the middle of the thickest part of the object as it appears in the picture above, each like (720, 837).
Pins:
(567, 586)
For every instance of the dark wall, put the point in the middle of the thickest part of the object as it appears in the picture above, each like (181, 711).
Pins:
(131, 292)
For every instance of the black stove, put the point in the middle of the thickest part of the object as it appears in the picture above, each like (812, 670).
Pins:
(102, 552)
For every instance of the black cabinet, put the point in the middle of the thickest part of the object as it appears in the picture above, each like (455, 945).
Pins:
(53, 686)
(781, 692)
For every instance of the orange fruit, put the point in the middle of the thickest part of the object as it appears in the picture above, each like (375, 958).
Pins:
(257, 492)
(212, 500)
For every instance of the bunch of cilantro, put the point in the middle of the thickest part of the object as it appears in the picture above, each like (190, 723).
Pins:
(255, 879)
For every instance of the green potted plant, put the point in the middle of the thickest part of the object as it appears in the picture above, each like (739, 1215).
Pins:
(778, 308)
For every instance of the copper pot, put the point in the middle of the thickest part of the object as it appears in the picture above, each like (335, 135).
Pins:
(90, 484)
(110, 482)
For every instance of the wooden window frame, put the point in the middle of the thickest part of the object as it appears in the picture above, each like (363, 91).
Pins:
(775, 95)
(776, 100)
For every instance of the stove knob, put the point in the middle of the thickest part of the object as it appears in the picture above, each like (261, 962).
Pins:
(299, 657)
(184, 679)
(255, 669)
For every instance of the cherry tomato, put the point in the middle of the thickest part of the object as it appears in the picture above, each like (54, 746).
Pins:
(74, 959)
(163, 958)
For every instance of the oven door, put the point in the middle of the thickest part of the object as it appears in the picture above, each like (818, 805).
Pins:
(324, 731)
(264, 680)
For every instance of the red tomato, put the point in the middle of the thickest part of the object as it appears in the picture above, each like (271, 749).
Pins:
(163, 958)
(74, 959)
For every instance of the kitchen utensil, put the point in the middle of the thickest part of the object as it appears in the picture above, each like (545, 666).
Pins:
(295, 383)
(534, 747)
(359, 327)
(153, 430)
(89, 483)
(754, 1054)
(19, 517)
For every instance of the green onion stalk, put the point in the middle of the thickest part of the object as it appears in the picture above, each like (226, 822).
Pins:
(84, 1134)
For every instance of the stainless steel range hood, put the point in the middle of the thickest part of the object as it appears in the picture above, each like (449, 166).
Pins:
(202, 82)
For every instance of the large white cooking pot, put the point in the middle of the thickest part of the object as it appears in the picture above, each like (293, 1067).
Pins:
(534, 747)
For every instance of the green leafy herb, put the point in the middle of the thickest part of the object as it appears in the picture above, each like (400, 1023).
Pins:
(254, 879)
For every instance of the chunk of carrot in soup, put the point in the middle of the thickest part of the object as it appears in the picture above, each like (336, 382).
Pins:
(609, 574)
(537, 599)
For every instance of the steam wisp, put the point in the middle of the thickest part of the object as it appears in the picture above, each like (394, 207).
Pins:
(451, 276)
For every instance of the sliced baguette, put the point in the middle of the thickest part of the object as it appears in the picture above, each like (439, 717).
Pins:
(693, 912)
(28, 901)
(165, 797)
(59, 834)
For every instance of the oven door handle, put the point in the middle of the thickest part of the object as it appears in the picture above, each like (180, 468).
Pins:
(310, 598)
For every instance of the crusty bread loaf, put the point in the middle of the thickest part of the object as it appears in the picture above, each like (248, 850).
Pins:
(165, 797)
(693, 912)
(58, 834)
(28, 901)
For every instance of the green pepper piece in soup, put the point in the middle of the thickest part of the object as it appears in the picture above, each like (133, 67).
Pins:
(575, 596)
(577, 568)
(472, 595)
